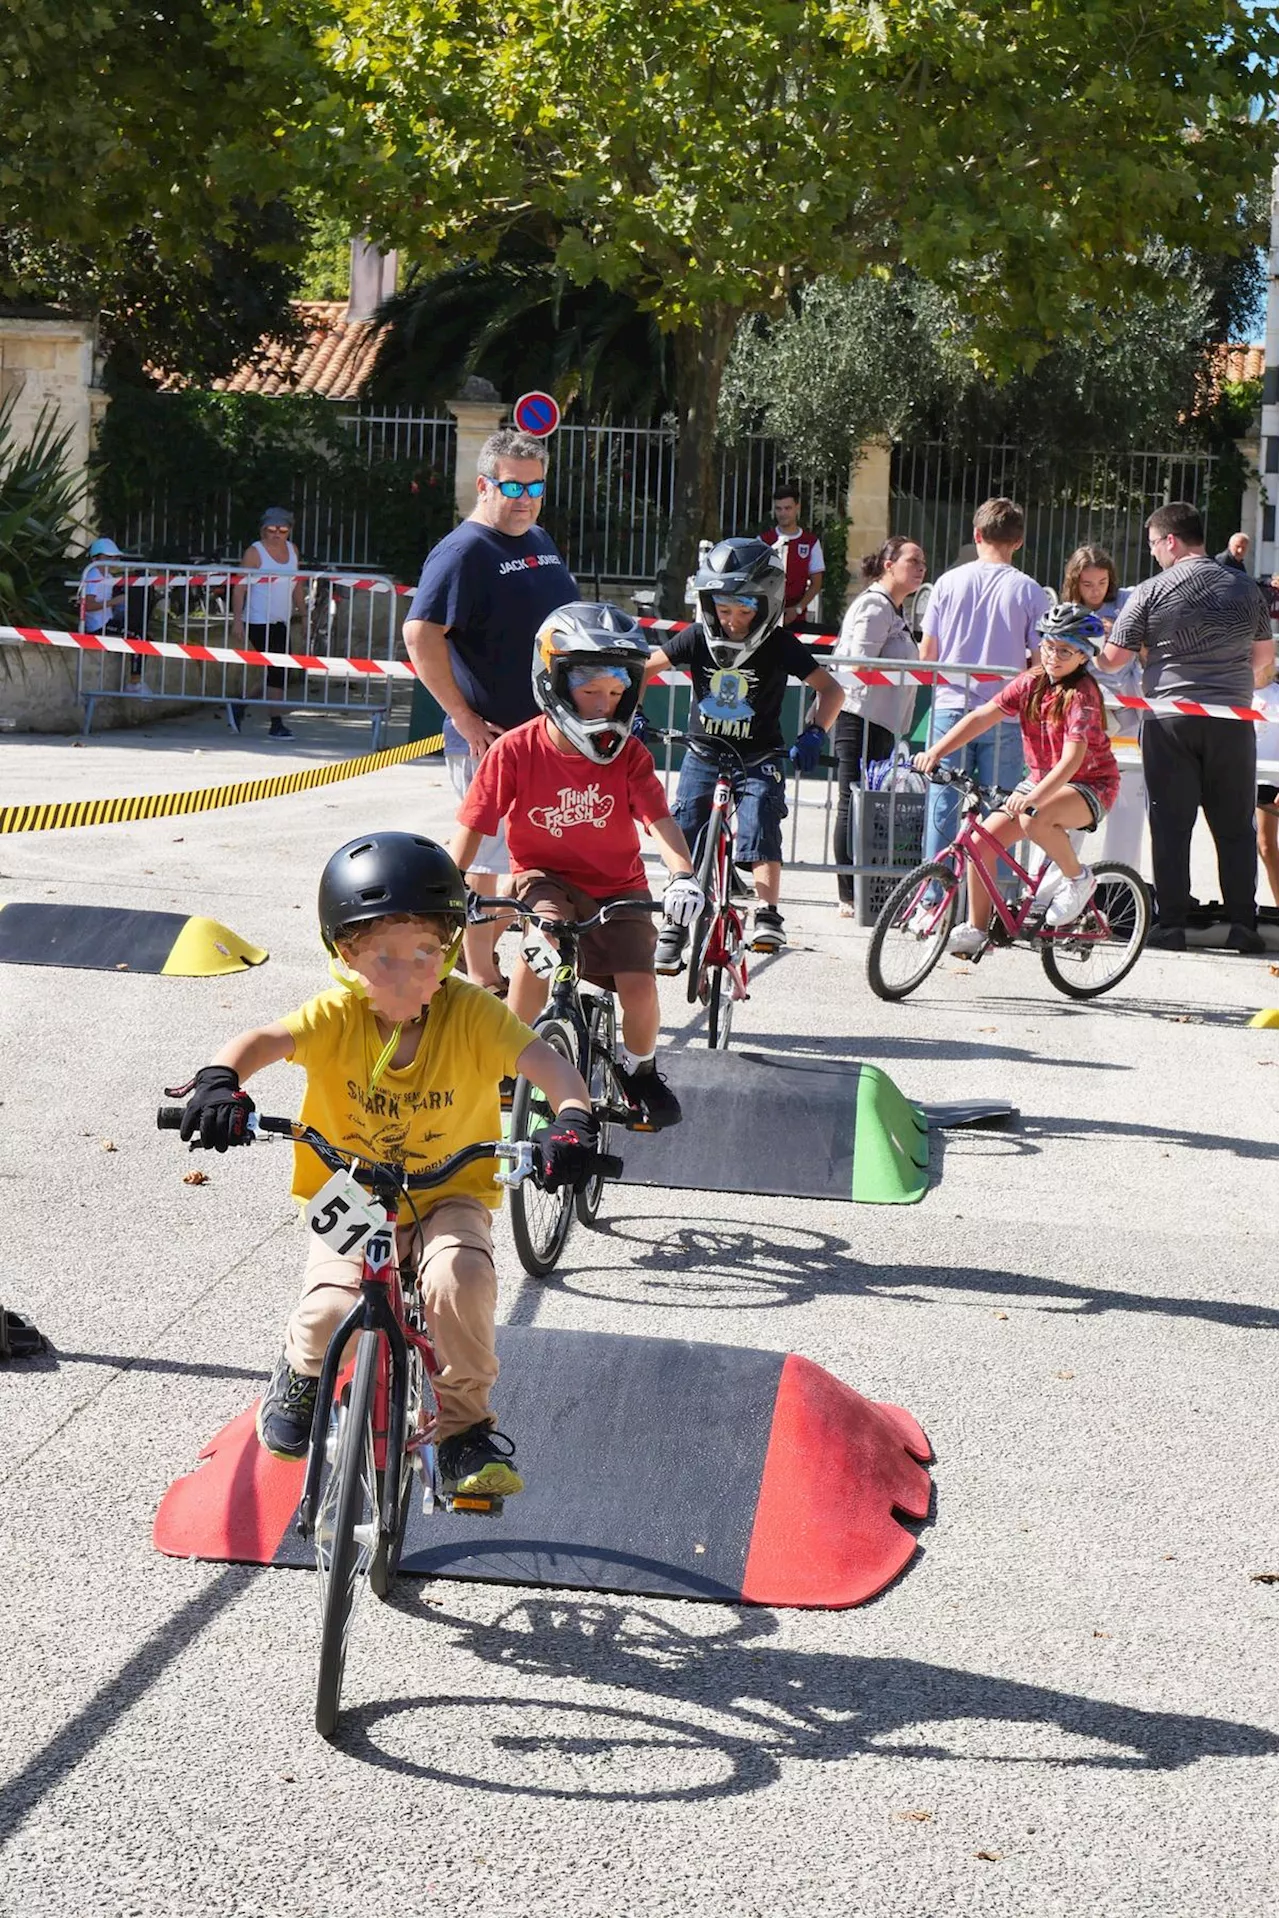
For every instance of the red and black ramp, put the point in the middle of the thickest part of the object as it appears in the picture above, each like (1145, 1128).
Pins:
(654, 1466)
(828, 1129)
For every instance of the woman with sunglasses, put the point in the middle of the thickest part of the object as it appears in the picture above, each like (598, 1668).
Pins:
(485, 591)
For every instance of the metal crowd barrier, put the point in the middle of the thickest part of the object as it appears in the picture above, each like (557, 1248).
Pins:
(348, 615)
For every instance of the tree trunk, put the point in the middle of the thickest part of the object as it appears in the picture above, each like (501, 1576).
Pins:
(700, 356)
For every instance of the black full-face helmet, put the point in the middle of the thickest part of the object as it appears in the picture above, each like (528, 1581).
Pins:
(386, 873)
(578, 642)
(1074, 625)
(742, 569)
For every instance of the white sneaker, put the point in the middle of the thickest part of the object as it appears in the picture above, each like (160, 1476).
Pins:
(965, 941)
(1071, 898)
(1049, 883)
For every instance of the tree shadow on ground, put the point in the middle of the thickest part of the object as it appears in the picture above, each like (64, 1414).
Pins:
(768, 1707)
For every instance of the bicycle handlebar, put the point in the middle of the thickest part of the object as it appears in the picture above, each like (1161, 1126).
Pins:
(553, 926)
(524, 1158)
(721, 746)
(955, 776)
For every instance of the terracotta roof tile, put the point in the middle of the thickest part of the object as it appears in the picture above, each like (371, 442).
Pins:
(333, 358)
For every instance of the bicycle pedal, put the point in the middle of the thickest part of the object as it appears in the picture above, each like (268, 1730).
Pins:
(638, 1122)
(475, 1506)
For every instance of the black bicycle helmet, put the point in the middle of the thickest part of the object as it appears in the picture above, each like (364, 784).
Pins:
(591, 636)
(385, 873)
(740, 568)
(1074, 625)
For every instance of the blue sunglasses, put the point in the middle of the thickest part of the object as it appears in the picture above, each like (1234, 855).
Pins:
(512, 489)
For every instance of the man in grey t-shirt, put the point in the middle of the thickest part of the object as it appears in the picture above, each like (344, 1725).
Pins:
(1206, 633)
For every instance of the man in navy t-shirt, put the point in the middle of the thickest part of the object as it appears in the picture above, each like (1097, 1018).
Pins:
(484, 592)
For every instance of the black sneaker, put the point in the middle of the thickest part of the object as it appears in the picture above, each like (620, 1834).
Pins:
(768, 934)
(648, 1090)
(278, 730)
(1245, 939)
(669, 958)
(285, 1410)
(235, 718)
(1167, 939)
(474, 1464)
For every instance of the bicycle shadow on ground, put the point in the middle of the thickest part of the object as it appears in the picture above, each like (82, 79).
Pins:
(1171, 1011)
(730, 1711)
(50, 1360)
(725, 1265)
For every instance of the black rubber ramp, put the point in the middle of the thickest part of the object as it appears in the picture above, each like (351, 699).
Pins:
(653, 1466)
(823, 1130)
(117, 939)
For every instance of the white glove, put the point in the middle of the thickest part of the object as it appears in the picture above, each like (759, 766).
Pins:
(683, 900)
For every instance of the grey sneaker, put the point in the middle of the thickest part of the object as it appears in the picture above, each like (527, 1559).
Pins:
(285, 1411)
(768, 934)
(669, 957)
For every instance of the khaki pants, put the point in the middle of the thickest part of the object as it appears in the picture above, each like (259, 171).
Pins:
(459, 1293)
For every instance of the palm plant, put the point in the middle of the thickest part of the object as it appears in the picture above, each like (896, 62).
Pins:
(39, 501)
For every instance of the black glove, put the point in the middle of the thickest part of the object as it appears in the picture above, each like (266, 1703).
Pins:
(217, 1113)
(640, 727)
(569, 1148)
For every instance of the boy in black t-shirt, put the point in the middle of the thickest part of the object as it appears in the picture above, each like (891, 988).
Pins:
(740, 660)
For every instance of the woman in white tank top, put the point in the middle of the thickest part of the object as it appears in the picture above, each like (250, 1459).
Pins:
(272, 601)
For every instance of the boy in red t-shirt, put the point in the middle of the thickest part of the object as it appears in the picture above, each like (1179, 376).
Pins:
(569, 787)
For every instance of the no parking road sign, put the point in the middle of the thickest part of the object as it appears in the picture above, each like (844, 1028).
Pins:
(536, 413)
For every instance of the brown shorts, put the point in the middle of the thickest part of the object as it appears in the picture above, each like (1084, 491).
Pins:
(624, 943)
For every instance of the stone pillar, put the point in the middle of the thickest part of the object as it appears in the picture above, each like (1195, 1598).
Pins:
(49, 362)
(479, 411)
(867, 509)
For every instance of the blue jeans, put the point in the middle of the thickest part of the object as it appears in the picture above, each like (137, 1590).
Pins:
(995, 759)
(761, 794)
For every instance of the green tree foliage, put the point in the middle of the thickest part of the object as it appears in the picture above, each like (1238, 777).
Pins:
(893, 358)
(38, 502)
(520, 322)
(711, 157)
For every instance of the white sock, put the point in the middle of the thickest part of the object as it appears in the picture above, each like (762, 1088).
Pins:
(632, 1061)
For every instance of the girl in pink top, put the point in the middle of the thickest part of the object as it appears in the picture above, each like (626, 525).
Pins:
(1072, 779)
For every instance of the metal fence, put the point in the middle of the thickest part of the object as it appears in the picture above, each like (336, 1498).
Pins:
(936, 489)
(610, 491)
(352, 617)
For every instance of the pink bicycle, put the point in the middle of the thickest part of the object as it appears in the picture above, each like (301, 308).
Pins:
(1087, 957)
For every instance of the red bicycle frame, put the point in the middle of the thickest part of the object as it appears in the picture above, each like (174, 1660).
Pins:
(726, 935)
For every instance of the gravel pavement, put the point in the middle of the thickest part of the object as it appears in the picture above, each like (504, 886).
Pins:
(1064, 1705)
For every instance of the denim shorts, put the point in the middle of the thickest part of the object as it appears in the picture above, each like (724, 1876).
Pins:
(761, 793)
(1091, 799)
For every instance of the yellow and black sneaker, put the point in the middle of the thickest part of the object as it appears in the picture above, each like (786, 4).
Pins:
(473, 1464)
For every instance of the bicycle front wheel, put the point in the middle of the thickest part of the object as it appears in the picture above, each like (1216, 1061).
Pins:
(720, 1004)
(912, 931)
(540, 1220)
(1105, 943)
(386, 1555)
(604, 1092)
(346, 1535)
(713, 877)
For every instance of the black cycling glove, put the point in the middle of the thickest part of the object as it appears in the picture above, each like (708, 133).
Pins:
(217, 1113)
(569, 1148)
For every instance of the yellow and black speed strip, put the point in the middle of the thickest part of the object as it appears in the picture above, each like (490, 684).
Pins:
(119, 939)
(56, 816)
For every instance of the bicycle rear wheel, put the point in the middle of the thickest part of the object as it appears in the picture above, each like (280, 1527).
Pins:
(713, 878)
(346, 1534)
(911, 932)
(1105, 943)
(540, 1220)
(604, 1091)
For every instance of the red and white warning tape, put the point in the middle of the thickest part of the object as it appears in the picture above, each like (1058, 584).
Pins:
(342, 668)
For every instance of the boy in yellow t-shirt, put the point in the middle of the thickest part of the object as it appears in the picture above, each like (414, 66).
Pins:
(402, 1064)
